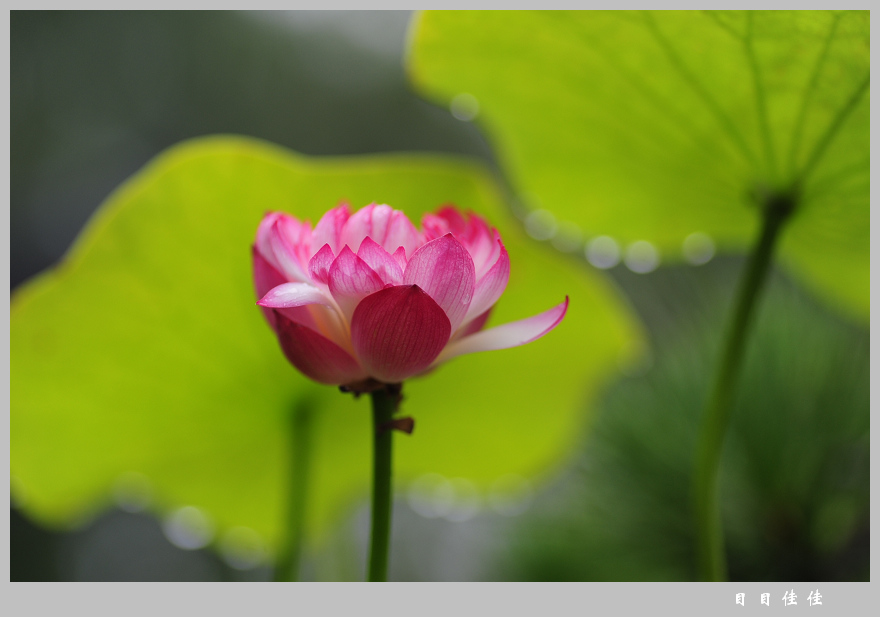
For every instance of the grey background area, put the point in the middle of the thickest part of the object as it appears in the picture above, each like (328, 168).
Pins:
(95, 95)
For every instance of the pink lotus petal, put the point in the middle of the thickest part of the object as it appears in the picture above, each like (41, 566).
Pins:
(316, 356)
(473, 232)
(397, 332)
(435, 226)
(289, 295)
(268, 241)
(380, 221)
(263, 231)
(358, 227)
(329, 228)
(407, 301)
(474, 325)
(491, 286)
(511, 334)
(305, 316)
(319, 264)
(265, 278)
(484, 245)
(309, 306)
(381, 262)
(285, 239)
(444, 221)
(444, 270)
(351, 279)
(400, 257)
(400, 233)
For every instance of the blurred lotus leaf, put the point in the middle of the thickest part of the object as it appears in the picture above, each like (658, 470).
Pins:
(656, 126)
(795, 476)
(143, 359)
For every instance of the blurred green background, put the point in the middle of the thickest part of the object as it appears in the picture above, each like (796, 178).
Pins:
(95, 95)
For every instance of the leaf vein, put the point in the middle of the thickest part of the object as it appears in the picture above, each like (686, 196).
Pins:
(833, 128)
(726, 124)
(760, 97)
(798, 130)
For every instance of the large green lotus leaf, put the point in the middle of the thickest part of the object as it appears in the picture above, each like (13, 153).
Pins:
(144, 351)
(653, 126)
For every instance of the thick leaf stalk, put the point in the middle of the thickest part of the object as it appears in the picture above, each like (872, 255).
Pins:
(711, 563)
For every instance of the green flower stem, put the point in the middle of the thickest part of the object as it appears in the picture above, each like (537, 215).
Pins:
(385, 403)
(287, 568)
(711, 562)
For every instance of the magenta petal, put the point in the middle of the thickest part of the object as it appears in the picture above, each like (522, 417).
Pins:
(484, 246)
(398, 332)
(444, 221)
(263, 231)
(444, 270)
(359, 226)
(351, 279)
(319, 264)
(286, 241)
(317, 357)
(400, 257)
(401, 233)
(303, 315)
(454, 219)
(266, 276)
(329, 228)
(381, 262)
(511, 334)
(491, 286)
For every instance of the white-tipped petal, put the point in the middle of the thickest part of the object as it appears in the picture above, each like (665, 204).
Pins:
(511, 334)
(288, 295)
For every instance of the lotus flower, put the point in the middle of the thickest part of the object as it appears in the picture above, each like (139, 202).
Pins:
(366, 297)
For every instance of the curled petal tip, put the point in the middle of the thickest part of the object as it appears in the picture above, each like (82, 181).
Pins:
(508, 335)
(288, 295)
